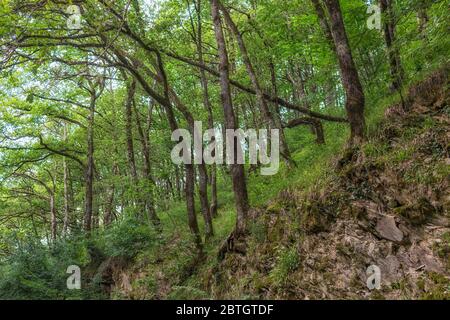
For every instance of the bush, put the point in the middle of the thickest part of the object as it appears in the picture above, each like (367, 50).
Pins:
(36, 271)
(127, 238)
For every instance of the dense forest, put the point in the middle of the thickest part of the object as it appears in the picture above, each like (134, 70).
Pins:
(103, 195)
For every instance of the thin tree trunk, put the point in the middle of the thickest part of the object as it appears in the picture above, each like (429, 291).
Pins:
(324, 23)
(203, 182)
(107, 219)
(89, 175)
(284, 148)
(208, 106)
(190, 204)
(145, 146)
(271, 123)
(392, 49)
(355, 102)
(66, 189)
(53, 218)
(129, 130)
(237, 170)
(189, 168)
(204, 203)
(178, 182)
(423, 18)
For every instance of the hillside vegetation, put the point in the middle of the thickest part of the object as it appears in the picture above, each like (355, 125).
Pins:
(384, 204)
(107, 190)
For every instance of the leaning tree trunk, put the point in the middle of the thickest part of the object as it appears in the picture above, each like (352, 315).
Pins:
(268, 116)
(324, 23)
(392, 49)
(203, 181)
(355, 100)
(237, 170)
(284, 148)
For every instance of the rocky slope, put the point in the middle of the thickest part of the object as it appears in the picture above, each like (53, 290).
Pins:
(387, 205)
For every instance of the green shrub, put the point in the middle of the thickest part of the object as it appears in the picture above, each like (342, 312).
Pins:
(127, 238)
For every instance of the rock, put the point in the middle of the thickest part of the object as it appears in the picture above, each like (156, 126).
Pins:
(387, 229)
(390, 269)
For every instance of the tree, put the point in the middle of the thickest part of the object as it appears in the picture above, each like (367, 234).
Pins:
(355, 99)
(237, 170)
(392, 47)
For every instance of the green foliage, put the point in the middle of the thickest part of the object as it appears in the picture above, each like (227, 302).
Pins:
(127, 238)
(38, 272)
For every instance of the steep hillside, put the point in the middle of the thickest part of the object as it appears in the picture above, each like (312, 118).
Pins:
(386, 205)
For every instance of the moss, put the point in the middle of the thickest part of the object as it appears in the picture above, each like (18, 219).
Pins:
(260, 282)
(344, 250)
(440, 289)
(443, 248)
(275, 207)
(419, 212)
(377, 295)
(184, 293)
(258, 230)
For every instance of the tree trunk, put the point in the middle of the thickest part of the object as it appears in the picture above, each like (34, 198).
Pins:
(284, 149)
(324, 23)
(237, 170)
(208, 106)
(392, 49)
(204, 203)
(89, 174)
(190, 204)
(423, 18)
(271, 123)
(66, 189)
(355, 100)
(189, 169)
(53, 217)
(107, 219)
(129, 130)
(178, 182)
(147, 169)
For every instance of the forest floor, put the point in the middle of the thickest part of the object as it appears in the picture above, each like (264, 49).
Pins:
(384, 204)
